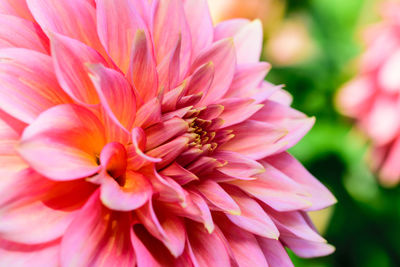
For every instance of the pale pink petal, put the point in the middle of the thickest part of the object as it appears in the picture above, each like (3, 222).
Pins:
(22, 255)
(70, 60)
(276, 190)
(200, 24)
(222, 55)
(238, 165)
(23, 34)
(252, 217)
(215, 194)
(248, 42)
(229, 28)
(308, 249)
(201, 80)
(142, 72)
(93, 239)
(255, 139)
(237, 110)
(48, 204)
(275, 253)
(73, 18)
(63, 143)
(28, 84)
(247, 78)
(320, 195)
(116, 95)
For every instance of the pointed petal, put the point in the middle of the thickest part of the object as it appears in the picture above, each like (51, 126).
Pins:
(92, 237)
(276, 190)
(214, 193)
(252, 218)
(237, 110)
(229, 28)
(116, 95)
(160, 133)
(117, 24)
(62, 143)
(16, 8)
(248, 42)
(148, 114)
(22, 33)
(275, 253)
(238, 165)
(70, 59)
(169, 151)
(247, 78)
(142, 68)
(255, 139)
(308, 249)
(222, 55)
(201, 80)
(167, 228)
(179, 174)
(207, 247)
(320, 195)
(244, 245)
(28, 84)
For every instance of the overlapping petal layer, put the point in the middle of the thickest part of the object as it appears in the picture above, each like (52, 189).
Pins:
(135, 133)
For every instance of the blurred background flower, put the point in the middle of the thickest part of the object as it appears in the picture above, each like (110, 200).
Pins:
(328, 35)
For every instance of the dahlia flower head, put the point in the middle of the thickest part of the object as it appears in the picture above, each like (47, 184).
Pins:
(373, 97)
(135, 133)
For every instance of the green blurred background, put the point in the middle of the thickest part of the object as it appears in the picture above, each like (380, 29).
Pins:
(365, 224)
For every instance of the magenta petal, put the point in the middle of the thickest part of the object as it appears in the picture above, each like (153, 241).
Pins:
(62, 143)
(92, 237)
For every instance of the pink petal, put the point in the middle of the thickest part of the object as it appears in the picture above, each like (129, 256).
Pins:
(222, 55)
(28, 84)
(229, 28)
(169, 68)
(201, 80)
(255, 139)
(22, 255)
(252, 218)
(247, 78)
(159, 133)
(16, 8)
(275, 253)
(74, 18)
(214, 193)
(23, 34)
(237, 110)
(148, 114)
(132, 194)
(276, 190)
(91, 238)
(308, 249)
(49, 204)
(248, 42)
(169, 151)
(167, 228)
(116, 95)
(200, 24)
(207, 247)
(238, 165)
(170, 25)
(244, 245)
(389, 172)
(179, 174)
(117, 24)
(62, 143)
(142, 68)
(70, 59)
(144, 255)
(320, 195)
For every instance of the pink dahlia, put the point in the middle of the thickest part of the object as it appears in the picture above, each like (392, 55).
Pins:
(134, 133)
(373, 97)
